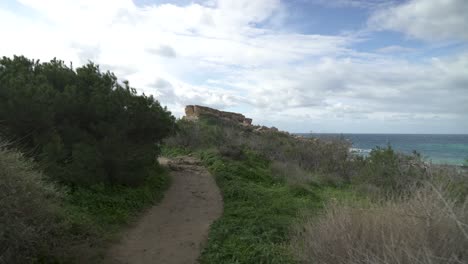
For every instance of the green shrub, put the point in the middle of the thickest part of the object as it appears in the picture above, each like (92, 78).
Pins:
(397, 218)
(313, 155)
(387, 169)
(44, 224)
(81, 123)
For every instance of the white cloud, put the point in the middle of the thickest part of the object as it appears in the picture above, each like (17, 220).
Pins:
(395, 49)
(349, 85)
(367, 4)
(217, 55)
(163, 50)
(432, 20)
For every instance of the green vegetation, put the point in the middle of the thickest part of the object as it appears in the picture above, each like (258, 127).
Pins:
(83, 125)
(286, 199)
(296, 200)
(89, 166)
(264, 188)
(109, 207)
(388, 170)
(30, 221)
(258, 211)
(48, 223)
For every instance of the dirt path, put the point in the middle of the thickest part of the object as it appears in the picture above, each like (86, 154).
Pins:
(175, 230)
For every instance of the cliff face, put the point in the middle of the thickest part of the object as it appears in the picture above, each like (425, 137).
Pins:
(193, 112)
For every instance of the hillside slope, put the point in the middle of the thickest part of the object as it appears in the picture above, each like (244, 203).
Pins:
(290, 199)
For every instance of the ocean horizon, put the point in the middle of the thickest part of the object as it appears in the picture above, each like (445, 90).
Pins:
(451, 149)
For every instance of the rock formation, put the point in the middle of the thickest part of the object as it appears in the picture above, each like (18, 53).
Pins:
(193, 112)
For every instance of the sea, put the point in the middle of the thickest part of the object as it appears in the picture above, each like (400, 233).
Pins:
(438, 149)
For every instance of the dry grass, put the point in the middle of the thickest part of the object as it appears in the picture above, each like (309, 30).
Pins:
(29, 213)
(330, 157)
(291, 173)
(40, 223)
(426, 228)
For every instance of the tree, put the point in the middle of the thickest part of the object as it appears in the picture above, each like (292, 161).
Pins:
(83, 125)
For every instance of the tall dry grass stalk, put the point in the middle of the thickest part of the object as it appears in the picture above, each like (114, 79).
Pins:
(426, 228)
(29, 218)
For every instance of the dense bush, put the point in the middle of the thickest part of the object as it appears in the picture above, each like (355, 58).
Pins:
(386, 169)
(82, 125)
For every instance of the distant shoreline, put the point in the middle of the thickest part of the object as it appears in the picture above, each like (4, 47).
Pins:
(440, 149)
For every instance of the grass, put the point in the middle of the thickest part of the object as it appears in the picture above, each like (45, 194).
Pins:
(290, 200)
(174, 151)
(259, 212)
(108, 207)
(31, 223)
(428, 227)
(43, 223)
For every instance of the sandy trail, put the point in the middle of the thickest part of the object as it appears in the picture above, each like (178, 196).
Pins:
(174, 231)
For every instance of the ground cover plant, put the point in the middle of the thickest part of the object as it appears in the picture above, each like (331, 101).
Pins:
(45, 222)
(298, 200)
(258, 212)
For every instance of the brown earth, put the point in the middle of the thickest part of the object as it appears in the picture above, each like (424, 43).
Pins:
(175, 230)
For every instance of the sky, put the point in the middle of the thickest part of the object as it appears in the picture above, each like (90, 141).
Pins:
(336, 66)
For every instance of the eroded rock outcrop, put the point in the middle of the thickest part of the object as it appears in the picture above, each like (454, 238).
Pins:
(193, 112)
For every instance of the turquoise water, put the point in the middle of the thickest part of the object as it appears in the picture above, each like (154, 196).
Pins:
(440, 149)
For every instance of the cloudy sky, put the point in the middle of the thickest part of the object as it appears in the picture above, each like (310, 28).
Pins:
(362, 66)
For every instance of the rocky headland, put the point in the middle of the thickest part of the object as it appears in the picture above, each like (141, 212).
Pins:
(194, 112)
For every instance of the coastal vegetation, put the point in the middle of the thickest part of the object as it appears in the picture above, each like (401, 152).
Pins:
(47, 222)
(290, 199)
(81, 124)
(78, 162)
(77, 159)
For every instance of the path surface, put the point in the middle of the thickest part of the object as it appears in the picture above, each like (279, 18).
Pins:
(174, 231)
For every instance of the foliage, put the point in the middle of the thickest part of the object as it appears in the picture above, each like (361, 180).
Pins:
(40, 222)
(109, 207)
(320, 156)
(268, 179)
(323, 161)
(258, 212)
(386, 169)
(31, 223)
(174, 151)
(81, 124)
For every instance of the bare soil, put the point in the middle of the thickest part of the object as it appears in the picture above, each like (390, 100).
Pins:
(175, 230)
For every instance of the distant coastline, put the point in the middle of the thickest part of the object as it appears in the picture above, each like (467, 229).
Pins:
(449, 149)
